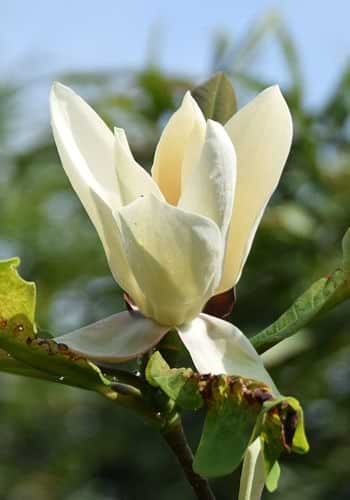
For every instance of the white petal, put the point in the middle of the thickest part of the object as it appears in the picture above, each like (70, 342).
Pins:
(117, 338)
(134, 181)
(182, 136)
(210, 188)
(262, 134)
(85, 146)
(218, 347)
(253, 473)
(174, 255)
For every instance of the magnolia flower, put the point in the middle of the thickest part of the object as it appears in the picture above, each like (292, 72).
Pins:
(178, 237)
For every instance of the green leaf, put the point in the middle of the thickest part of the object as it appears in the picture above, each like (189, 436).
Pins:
(33, 355)
(238, 410)
(300, 443)
(281, 428)
(17, 296)
(15, 367)
(272, 478)
(322, 296)
(216, 98)
(272, 446)
(227, 429)
(18, 338)
(179, 384)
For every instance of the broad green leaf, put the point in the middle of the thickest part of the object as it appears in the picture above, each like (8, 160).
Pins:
(216, 98)
(17, 296)
(238, 410)
(30, 354)
(179, 384)
(237, 415)
(18, 338)
(322, 296)
(227, 429)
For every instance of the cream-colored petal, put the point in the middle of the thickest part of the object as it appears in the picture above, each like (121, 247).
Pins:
(209, 190)
(218, 347)
(253, 473)
(134, 181)
(182, 136)
(193, 146)
(82, 140)
(116, 339)
(81, 135)
(262, 134)
(174, 255)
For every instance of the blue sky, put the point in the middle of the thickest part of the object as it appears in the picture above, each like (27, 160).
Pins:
(38, 37)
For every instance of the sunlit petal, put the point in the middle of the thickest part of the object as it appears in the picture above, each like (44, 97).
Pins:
(182, 136)
(85, 146)
(218, 347)
(262, 134)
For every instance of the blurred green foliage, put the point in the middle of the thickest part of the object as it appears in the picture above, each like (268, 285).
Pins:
(60, 443)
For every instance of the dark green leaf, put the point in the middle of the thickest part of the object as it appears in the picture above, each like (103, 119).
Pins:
(322, 296)
(227, 429)
(216, 98)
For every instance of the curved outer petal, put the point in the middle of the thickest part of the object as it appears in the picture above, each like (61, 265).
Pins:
(182, 136)
(117, 338)
(85, 146)
(209, 190)
(174, 255)
(134, 181)
(86, 138)
(218, 347)
(262, 134)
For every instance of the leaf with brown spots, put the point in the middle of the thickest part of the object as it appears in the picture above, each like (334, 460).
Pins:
(28, 353)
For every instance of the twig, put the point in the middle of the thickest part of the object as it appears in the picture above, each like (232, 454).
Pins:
(176, 439)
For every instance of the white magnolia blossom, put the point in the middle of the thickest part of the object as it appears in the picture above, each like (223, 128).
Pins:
(175, 238)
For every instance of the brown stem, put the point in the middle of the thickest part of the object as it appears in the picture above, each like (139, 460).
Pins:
(176, 439)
